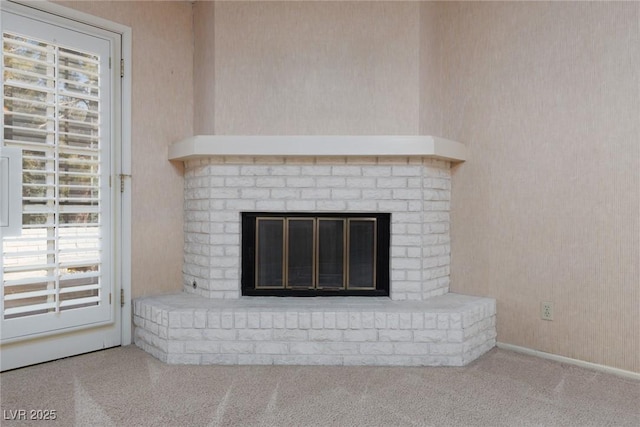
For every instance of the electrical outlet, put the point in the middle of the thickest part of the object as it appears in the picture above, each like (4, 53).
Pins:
(546, 311)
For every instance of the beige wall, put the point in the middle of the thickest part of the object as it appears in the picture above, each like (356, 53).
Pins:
(313, 68)
(545, 96)
(204, 68)
(547, 99)
(162, 112)
(431, 72)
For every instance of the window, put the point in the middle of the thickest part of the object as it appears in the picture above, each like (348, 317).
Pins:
(56, 110)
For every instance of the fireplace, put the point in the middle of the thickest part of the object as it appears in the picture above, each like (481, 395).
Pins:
(315, 254)
(364, 219)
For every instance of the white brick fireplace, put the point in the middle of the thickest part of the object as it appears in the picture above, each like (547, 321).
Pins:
(414, 190)
(419, 324)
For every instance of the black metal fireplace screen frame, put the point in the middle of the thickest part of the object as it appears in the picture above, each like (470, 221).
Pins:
(250, 236)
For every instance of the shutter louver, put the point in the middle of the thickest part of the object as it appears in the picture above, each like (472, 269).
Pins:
(52, 112)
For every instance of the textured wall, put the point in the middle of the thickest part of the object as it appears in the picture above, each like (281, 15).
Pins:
(546, 97)
(431, 72)
(162, 112)
(315, 68)
(204, 72)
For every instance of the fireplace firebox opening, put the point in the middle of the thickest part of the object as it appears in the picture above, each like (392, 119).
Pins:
(315, 254)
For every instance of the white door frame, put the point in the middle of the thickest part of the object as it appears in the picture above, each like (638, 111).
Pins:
(122, 254)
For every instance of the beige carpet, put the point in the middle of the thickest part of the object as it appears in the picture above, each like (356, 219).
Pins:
(125, 386)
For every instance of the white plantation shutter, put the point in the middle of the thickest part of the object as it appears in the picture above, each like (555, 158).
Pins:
(52, 112)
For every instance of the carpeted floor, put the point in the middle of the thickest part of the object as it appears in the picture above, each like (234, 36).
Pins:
(125, 386)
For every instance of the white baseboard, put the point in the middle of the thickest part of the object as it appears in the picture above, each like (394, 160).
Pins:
(570, 361)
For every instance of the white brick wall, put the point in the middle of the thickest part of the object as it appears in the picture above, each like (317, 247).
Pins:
(415, 191)
(449, 330)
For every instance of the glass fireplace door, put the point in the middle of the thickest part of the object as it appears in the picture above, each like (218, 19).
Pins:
(300, 267)
(323, 254)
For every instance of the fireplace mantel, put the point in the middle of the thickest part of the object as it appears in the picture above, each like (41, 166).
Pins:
(202, 146)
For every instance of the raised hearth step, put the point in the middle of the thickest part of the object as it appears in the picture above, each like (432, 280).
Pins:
(447, 330)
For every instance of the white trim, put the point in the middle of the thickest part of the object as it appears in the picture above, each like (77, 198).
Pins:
(570, 361)
(126, 320)
(29, 352)
(125, 168)
(317, 145)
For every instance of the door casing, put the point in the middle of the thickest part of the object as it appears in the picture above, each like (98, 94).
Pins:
(26, 352)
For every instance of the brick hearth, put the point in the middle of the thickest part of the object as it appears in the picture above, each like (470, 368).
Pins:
(448, 330)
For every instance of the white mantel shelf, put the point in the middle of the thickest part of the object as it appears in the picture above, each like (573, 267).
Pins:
(202, 146)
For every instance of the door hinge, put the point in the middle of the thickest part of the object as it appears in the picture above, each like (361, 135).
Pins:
(109, 298)
(122, 178)
(109, 62)
(122, 68)
(121, 297)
